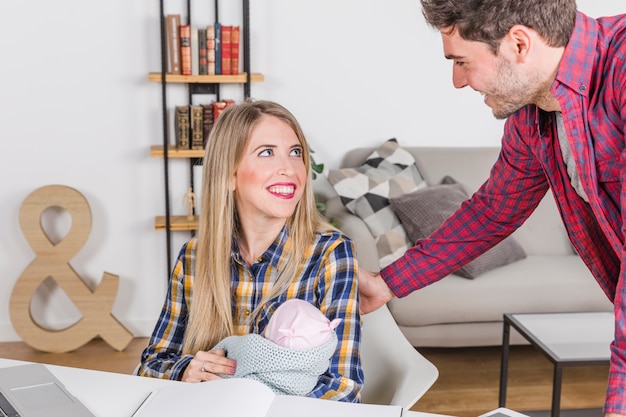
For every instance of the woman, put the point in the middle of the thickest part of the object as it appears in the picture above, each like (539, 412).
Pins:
(261, 241)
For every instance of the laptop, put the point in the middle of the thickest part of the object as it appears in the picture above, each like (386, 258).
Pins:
(33, 391)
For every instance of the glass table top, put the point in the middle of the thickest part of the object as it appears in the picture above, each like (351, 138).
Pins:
(570, 336)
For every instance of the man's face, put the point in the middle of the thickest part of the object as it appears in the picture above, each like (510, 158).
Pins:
(504, 86)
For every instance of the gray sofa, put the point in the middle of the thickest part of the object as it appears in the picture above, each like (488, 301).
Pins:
(457, 311)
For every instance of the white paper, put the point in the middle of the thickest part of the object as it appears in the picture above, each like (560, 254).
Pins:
(289, 406)
(240, 397)
(503, 412)
(234, 397)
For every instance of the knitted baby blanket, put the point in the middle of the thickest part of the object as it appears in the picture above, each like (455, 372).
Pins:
(286, 371)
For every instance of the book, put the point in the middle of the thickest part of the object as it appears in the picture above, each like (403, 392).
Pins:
(210, 50)
(234, 50)
(196, 114)
(185, 49)
(241, 397)
(220, 106)
(173, 43)
(218, 47)
(195, 48)
(202, 52)
(182, 122)
(227, 32)
(207, 122)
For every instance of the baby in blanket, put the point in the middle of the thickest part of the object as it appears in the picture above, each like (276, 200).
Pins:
(296, 349)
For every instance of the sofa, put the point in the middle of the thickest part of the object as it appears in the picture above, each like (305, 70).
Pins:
(461, 312)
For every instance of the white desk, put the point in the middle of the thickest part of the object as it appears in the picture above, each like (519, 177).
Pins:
(109, 394)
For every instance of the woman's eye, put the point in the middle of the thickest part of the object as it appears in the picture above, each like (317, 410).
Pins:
(266, 152)
(296, 152)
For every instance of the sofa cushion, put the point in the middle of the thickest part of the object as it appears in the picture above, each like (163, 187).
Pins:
(531, 285)
(424, 210)
(388, 172)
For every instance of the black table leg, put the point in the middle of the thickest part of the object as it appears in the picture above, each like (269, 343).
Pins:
(504, 362)
(556, 390)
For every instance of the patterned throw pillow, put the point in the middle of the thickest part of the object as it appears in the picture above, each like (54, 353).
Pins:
(423, 211)
(388, 172)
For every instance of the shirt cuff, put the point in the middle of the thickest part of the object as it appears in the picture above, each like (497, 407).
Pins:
(399, 278)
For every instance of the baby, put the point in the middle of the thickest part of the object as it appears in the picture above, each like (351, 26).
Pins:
(297, 324)
(296, 349)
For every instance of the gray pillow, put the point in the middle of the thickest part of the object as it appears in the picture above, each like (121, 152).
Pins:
(423, 211)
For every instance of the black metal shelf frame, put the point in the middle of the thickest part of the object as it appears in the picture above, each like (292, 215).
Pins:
(193, 88)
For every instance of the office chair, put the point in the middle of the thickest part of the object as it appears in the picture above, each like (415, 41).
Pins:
(395, 372)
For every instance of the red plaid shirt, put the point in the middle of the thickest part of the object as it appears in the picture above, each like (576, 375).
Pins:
(591, 89)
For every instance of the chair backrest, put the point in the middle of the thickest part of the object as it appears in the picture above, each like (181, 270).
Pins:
(395, 372)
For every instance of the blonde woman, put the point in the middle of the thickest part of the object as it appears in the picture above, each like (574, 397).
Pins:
(260, 242)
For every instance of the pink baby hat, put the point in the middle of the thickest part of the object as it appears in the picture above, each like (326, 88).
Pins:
(300, 325)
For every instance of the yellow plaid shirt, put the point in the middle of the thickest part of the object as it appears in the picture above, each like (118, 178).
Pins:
(327, 279)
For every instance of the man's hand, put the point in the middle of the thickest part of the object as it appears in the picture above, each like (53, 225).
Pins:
(373, 291)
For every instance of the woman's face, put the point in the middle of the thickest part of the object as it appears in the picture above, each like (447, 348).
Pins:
(271, 176)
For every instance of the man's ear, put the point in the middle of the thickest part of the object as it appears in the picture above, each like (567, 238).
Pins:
(519, 41)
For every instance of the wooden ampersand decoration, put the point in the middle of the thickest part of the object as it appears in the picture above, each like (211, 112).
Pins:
(52, 260)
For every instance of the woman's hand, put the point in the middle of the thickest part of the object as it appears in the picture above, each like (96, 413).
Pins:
(206, 365)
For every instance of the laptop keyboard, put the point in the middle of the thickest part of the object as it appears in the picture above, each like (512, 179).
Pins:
(6, 408)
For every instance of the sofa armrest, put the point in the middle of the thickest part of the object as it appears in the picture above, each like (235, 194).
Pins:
(356, 229)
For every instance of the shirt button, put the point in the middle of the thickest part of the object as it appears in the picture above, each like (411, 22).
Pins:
(582, 87)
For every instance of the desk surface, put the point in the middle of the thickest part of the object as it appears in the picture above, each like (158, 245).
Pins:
(109, 394)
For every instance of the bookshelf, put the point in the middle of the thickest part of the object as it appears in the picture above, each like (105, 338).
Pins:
(206, 79)
(196, 84)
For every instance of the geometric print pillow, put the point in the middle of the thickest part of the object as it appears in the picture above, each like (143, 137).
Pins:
(388, 172)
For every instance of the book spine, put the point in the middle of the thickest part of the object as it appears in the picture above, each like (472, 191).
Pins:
(207, 122)
(234, 50)
(195, 48)
(218, 48)
(227, 32)
(197, 139)
(220, 106)
(202, 52)
(185, 49)
(210, 50)
(182, 127)
(173, 42)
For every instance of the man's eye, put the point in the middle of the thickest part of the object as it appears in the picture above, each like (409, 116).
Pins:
(459, 64)
(266, 152)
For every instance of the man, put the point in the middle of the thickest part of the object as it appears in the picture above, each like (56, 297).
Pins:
(559, 78)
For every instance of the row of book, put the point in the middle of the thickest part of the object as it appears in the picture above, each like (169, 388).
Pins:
(211, 50)
(193, 123)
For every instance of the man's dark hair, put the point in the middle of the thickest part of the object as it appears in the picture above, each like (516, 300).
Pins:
(489, 21)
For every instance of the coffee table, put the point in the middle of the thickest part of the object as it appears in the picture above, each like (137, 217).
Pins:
(566, 339)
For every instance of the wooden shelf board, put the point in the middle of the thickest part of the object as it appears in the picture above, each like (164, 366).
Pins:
(176, 223)
(210, 79)
(157, 151)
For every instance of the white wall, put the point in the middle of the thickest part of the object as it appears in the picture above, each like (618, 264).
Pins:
(76, 109)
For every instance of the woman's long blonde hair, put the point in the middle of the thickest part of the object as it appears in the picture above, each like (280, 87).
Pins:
(210, 318)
